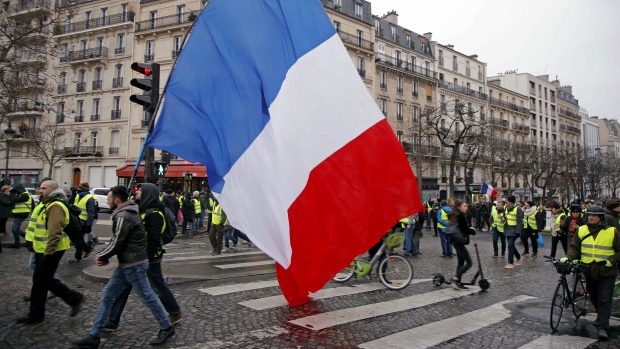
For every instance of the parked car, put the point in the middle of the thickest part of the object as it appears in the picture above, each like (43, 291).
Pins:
(33, 193)
(101, 195)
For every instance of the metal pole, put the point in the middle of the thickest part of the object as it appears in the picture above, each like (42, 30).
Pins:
(7, 179)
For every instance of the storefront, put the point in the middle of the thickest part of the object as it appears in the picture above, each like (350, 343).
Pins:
(180, 175)
(29, 178)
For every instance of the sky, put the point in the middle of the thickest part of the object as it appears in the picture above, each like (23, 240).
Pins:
(576, 40)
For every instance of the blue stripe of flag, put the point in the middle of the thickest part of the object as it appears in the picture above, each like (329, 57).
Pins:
(229, 72)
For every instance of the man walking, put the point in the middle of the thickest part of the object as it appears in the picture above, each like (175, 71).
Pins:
(442, 223)
(216, 234)
(152, 213)
(49, 245)
(128, 244)
(85, 201)
(497, 216)
(22, 205)
(512, 229)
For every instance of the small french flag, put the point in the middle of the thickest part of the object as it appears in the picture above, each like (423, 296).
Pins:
(488, 190)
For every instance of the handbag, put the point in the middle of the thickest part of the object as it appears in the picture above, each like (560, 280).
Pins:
(541, 241)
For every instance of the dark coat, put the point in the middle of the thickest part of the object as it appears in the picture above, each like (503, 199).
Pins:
(5, 205)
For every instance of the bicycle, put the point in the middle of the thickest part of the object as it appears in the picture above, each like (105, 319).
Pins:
(564, 296)
(395, 272)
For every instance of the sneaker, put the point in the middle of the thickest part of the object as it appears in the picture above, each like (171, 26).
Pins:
(460, 286)
(518, 262)
(526, 253)
(509, 266)
(163, 336)
(175, 319)
(110, 327)
(534, 254)
(27, 320)
(88, 342)
(74, 260)
(455, 283)
(602, 334)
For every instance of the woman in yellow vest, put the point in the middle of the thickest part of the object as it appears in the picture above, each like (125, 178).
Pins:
(530, 229)
(597, 245)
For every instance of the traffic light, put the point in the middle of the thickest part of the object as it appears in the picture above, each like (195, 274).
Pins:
(150, 85)
(189, 176)
(160, 169)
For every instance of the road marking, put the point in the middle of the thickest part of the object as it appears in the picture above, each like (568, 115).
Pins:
(559, 342)
(104, 222)
(343, 316)
(193, 258)
(244, 265)
(280, 301)
(182, 253)
(232, 340)
(226, 289)
(613, 321)
(438, 332)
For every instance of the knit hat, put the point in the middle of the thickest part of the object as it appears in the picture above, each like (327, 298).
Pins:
(575, 208)
(512, 199)
(83, 186)
(531, 203)
(612, 203)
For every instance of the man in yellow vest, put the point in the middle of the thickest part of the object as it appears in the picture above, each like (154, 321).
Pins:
(22, 205)
(85, 201)
(512, 229)
(216, 234)
(497, 225)
(530, 228)
(49, 244)
(197, 211)
(210, 206)
(597, 245)
(557, 235)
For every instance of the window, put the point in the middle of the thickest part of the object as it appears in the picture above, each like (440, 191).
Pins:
(360, 65)
(93, 139)
(118, 71)
(116, 105)
(360, 38)
(480, 73)
(120, 44)
(153, 19)
(115, 139)
(455, 65)
(456, 82)
(80, 108)
(99, 43)
(88, 16)
(468, 86)
(359, 10)
(440, 58)
(467, 68)
(393, 29)
(399, 111)
(176, 45)
(104, 15)
(337, 26)
(83, 45)
(96, 106)
(81, 76)
(414, 114)
(180, 13)
(399, 84)
(64, 50)
(60, 109)
(377, 25)
(383, 79)
(408, 37)
(399, 134)
(415, 88)
(124, 12)
(338, 3)
(482, 115)
(383, 105)
(150, 49)
(63, 78)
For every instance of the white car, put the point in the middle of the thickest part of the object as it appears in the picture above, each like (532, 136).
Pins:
(101, 195)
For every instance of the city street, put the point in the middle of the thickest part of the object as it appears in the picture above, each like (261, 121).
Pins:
(232, 301)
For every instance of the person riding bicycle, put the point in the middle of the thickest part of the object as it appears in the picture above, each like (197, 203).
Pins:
(597, 245)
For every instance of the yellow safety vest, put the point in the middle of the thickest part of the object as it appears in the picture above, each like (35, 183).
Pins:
(81, 204)
(33, 222)
(161, 197)
(217, 215)
(403, 222)
(23, 207)
(530, 221)
(598, 250)
(558, 221)
(211, 205)
(444, 217)
(197, 207)
(511, 217)
(40, 234)
(497, 222)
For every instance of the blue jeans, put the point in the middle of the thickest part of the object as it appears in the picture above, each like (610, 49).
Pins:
(230, 235)
(512, 249)
(446, 246)
(498, 236)
(195, 225)
(156, 279)
(16, 228)
(122, 278)
(409, 244)
(202, 218)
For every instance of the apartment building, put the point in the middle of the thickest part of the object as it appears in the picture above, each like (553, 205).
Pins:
(24, 98)
(95, 39)
(568, 118)
(591, 133)
(544, 125)
(609, 133)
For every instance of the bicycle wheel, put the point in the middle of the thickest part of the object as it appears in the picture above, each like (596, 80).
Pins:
(395, 272)
(580, 298)
(345, 274)
(557, 306)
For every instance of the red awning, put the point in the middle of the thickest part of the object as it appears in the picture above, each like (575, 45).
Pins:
(175, 170)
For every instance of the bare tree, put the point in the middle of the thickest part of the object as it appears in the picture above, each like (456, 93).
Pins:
(45, 143)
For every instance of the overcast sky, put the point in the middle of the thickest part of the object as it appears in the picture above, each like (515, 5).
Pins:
(576, 40)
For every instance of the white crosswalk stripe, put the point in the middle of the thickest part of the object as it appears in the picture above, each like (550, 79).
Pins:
(197, 258)
(280, 301)
(244, 265)
(559, 342)
(440, 331)
(233, 288)
(343, 316)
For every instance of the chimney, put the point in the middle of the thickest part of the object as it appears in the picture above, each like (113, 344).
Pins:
(391, 17)
(474, 56)
(429, 36)
(450, 47)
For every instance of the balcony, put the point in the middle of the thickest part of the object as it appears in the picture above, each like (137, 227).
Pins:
(80, 87)
(430, 150)
(79, 118)
(405, 66)
(569, 114)
(115, 115)
(95, 117)
(62, 89)
(97, 85)
(29, 8)
(60, 118)
(462, 89)
(24, 108)
(117, 82)
(81, 151)
(499, 122)
(119, 50)
(164, 22)
(506, 105)
(355, 41)
(29, 58)
(94, 24)
(383, 86)
(149, 58)
(91, 54)
(113, 150)
(521, 128)
(399, 90)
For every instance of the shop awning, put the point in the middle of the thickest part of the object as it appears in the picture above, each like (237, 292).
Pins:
(176, 169)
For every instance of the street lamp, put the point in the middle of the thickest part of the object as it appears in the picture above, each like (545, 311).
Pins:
(9, 133)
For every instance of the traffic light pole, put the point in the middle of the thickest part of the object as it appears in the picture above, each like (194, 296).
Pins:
(149, 155)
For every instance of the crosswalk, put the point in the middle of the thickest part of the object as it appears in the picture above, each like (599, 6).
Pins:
(426, 335)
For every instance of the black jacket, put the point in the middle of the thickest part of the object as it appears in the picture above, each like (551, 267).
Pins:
(459, 230)
(188, 208)
(153, 221)
(128, 240)
(19, 194)
(5, 205)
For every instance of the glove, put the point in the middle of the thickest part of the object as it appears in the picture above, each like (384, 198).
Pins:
(575, 261)
(563, 259)
(608, 264)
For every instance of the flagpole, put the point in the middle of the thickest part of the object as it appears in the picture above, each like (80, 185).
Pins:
(152, 119)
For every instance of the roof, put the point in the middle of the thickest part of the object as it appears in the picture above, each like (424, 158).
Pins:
(385, 33)
(347, 7)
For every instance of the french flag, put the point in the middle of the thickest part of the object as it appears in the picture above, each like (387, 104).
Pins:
(488, 190)
(298, 153)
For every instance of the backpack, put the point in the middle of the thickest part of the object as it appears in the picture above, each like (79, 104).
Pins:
(74, 228)
(168, 235)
